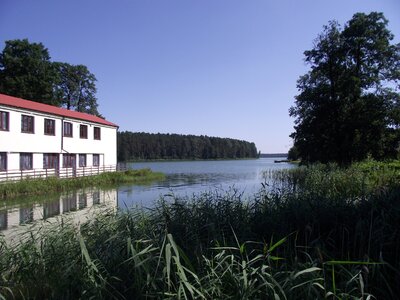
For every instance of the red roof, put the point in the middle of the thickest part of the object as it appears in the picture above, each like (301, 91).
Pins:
(54, 110)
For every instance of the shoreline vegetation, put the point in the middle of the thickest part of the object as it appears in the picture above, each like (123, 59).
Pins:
(312, 232)
(141, 146)
(11, 189)
(185, 159)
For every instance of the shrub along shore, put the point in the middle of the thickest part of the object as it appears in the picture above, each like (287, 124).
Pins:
(54, 184)
(318, 232)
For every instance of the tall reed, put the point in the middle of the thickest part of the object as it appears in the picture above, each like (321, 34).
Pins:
(38, 186)
(310, 233)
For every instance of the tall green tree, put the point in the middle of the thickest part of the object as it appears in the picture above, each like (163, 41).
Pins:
(76, 88)
(348, 106)
(27, 72)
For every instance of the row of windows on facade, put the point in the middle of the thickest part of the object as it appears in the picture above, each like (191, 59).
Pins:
(28, 126)
(50, 161)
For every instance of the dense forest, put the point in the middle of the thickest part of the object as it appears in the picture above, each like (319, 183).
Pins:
(139, 145)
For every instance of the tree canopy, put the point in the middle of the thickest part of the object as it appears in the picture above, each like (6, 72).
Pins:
(349, 102)
(26, 71)
(140, 145)
(76, 88)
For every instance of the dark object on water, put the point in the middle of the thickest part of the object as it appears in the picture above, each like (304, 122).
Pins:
(281, 161)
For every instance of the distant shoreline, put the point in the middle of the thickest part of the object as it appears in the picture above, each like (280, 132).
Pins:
(175, 160)
(271, 155)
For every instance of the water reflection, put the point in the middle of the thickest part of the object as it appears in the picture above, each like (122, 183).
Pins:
(183, 178)
(3, 219)
(25, 215)
(77, 205)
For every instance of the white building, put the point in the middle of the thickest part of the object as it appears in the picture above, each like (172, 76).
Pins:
(42, 140)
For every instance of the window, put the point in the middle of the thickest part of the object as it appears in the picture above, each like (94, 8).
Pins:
(97, 133)
(69, 161)
(83, 131)
(50, 161)
(26, 161)
(82, 160)
(4, 121)
(49, 127)
(96, 160)
(67, 130)
(82, 201)
(3, 161)
(27, 124)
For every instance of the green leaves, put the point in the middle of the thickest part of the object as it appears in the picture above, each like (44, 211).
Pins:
(344, 111)
(142, 146)
(26, 71)
(76, 88)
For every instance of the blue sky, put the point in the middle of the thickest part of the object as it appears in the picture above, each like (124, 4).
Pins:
(224, 68)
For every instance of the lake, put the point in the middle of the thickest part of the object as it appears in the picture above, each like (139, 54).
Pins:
(183, 178)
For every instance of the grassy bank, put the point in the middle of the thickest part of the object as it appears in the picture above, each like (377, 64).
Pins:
(310, 233)
(54, 184)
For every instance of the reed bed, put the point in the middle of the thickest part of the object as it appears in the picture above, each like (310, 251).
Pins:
(54, 184)
(310, 233)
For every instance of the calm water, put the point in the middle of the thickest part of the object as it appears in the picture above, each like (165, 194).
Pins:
(183, 178)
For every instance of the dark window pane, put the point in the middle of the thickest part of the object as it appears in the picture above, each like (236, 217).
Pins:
(96, 160)
(50, 161)
(4, 120)
(83, 131)
(67, 129)
(69, 161)
(27, 124)
(25, 161)
(82, 160)
(97, 133)
(3, 161)
(49, 127)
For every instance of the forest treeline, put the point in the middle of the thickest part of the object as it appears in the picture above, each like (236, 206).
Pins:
(142, 146)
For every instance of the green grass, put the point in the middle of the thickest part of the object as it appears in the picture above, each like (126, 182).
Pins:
(311, 233)
(54, 184)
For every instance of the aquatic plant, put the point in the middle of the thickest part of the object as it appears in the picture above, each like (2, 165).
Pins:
(317, 232)
(38, 186)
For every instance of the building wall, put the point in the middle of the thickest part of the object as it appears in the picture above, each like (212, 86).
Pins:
(16, 141)
(13, 142)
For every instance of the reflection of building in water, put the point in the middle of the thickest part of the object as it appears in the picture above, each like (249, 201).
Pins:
(25, 215)
(68, 202)
(3, 219)
(82, 202)
(76, 205)
(51, 209)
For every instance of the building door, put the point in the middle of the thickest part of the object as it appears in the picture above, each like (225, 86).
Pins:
(69, 161)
